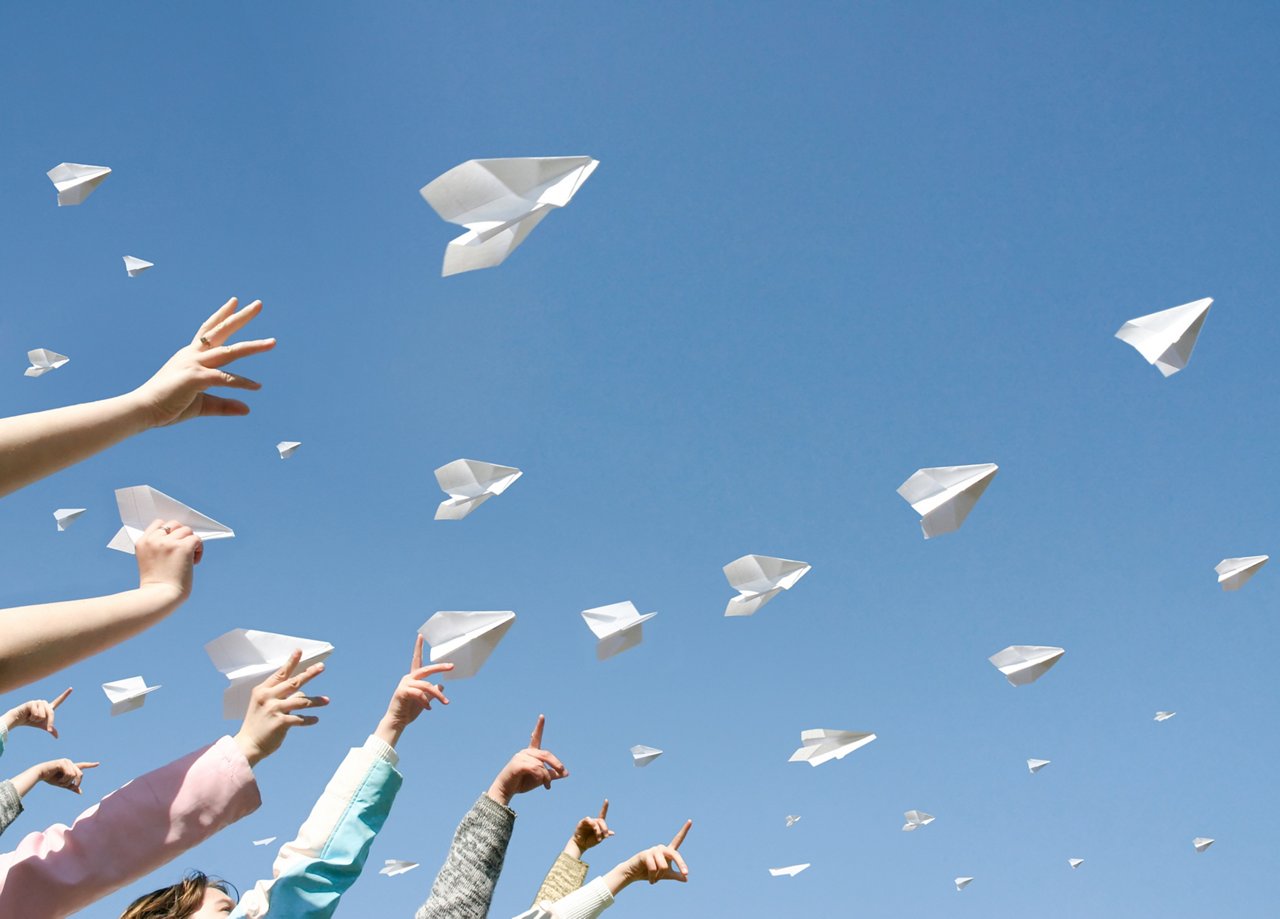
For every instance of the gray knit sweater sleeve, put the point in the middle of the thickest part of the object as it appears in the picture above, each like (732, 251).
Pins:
(464, 887)
(10, 804)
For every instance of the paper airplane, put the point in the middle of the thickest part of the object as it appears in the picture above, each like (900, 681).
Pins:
(264, 842)
(393, 866)
(1075, 862)
(916, 819)
(500, 201)
(618, 627)
(790, 871)
(1167, 338)
(247, 657)
(758, 579)
(1023, 664)
(944, 495)
(465, 639)
(1164, 716)
(128, 694)
(65, 516)
(470, 483)
(821, 745)
(792, 820)
(962, 883)
(43, 360)
(286, 448)
(1035, 765)
(141, 504)
(135, 266)
(1234, 572)
(1201, 843)
(76, 181)
(643, 756)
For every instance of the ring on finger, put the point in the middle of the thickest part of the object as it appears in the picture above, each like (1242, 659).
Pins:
(204, 340)
(167, 531)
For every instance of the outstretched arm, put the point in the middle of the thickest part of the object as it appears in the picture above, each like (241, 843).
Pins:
(569, 870)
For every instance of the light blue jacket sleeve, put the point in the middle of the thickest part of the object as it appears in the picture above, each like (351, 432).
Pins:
(312, 872)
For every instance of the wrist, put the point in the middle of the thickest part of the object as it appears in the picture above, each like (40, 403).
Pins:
(249, 747)
(618, 878)
(573, 850)
(498, 793)
(25, 780)
(161, 594)
(136, 411)
(389, 730)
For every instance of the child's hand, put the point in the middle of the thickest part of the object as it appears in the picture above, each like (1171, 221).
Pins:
(273, 707)
(35, 714)
(531, 767)
(412, 696)
(166, 553)
(591, 831)
(659, 863)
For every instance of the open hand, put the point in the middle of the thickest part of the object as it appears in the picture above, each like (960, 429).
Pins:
(412, 695)
(531, 767)
(273, 709)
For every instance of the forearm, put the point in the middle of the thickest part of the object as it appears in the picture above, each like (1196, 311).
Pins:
(25, 780)
(10, 804)
(464, 887)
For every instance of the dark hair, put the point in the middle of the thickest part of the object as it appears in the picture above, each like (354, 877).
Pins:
(178, 901)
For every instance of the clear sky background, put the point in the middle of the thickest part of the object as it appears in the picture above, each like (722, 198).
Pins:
(825, 246)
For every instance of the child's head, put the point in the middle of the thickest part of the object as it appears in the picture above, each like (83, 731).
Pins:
(194, 897)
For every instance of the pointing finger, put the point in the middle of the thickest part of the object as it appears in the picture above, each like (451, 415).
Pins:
(535, 739)
(417, 654)
(604, 809)
(679, 837)
(61, 698)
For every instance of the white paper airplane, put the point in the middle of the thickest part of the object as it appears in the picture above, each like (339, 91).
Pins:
(821, 745)
(643, 756)
(618, 627)
(1164, 716)
(758, 579)
(135, 266)
(128, 694)
(247, 657)
(1233, 572)
(500, 201)
(1167, 338)
(792, 820)
(916, 819)
(944, 495)
(1075, 862)
(286, 448)
(1035, 765)
(465, 639)
(264, 842)
(1201, 843)
(790, 871)
(1024, 664)
(76, 181)
(470, 483)
(141, 504)
(43, 360)
(65, 516)
(962, 883)
(393, 866)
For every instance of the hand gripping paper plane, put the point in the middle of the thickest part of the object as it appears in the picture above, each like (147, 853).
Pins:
(76, 181)
(43, 360)
(141, 504)
(1233, 572)
(618, 626)
(790, 871)
(135, 266)
(642, 756)
(246, 657)
(758, 579)
(915, 820)
(1167, 338)
(470, 483)
(65, 516)
(128, 694)
(500, 201)
(944, 495)
(465, 639)
(394, 866)
(1023, 664)
(821, 745)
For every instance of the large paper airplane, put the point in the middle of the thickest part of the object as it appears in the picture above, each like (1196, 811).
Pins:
(820, 745)
(246, 657)
(465, 639)
(1167, 338)
(943, 496)
(127, 694)
(1233, 572)
(394, 866)
(915, 820)
(618, 626)
(500, 201)
(470, 483)
(642, 756)
(76, 181)
(65, 516)
(1023, 664)
(42, 360)
(790, 871)
(758, 579)
(141, 504)
(135, 266)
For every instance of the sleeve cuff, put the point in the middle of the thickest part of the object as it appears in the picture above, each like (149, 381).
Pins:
(584, 903)
(382, 750)
(493, 807)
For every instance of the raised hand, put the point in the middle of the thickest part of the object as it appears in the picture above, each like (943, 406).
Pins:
(591, 831)
(38, 713)
(273, 709)
(166, 553)
(531, 767)
(658, 863)
(412, 695)
(63, 773)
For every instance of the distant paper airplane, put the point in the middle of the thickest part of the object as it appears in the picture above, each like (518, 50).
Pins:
(394, 866)
(1201, 843)
(617, 627)
(470, 483)
(758, 579)
(128, 694)
(465, 639)
(43, 360)
(915, 820)
(1075, 862)
(76, 181)
(962, 883)
(65, 516)
(141, 504)
(820, 745)
(286, 448)
(1035, 765)
(264, 842)
(1167, 338)
(789, 871)
(500, 201)
(792, 820)
(1164, 716)
(1023, 664)
(135, 266)
(643, 756)
(943, 496)
(246, 657)
(1234, 572)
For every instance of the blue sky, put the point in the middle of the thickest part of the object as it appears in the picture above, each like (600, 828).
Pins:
(826, 246)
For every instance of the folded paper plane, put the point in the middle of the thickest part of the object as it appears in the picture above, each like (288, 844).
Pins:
(1201, 843)
(1164, 716)
(944, 495)
(820, 745)
(265, 842)
(915, 820)
(43, 360)
(394, 866)
(643, 756)
(758, 579)
(135, 266)
(1075, 862)
(1167, 338)
(76, 181)
(470, 483)
(618, 626)
(465, 639)
(1023, 664)
(962, 883)
(141, 504)
(65, 516)
(790, 871)
(1233, 572)
(792, 820)
(1035, 765)
(128, 694)
(246, 657)
(286, 448)
(500, 201)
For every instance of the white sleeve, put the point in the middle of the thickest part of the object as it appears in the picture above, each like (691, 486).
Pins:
(584, 903)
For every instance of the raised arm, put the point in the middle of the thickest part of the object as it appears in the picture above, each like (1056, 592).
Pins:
(569, 870)
(42, 443)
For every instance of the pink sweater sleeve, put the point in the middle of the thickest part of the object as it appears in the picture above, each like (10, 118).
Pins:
(128, 834)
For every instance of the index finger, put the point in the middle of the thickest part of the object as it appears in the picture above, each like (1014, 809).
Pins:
(286, 670)
(604, 809)
(219, 314)
(679, 837)
(61, 698)
(417, 654)
(88, 765)
(535, 739)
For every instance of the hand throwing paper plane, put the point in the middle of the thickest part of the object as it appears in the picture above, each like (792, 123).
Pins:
(128, 694)
(1233, 572)
(246, 657)
(465, 639)
(65, 516)
(758, 579)
(265, 842)
(1164, 716)
(76, 181)
(962, 883)
(943, 496)
(470, 483)
(643, 756)
(135, 266)
(790, 871)
(821, 745)
(43, 360)
(500, 201)
(286, 448)
(618, 626)
(1201, 843)
(393, 866)
(1035, 765)
(1075, 862)
(1023, 664)
(1167, 338)
(916, 819)
(141, 504)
